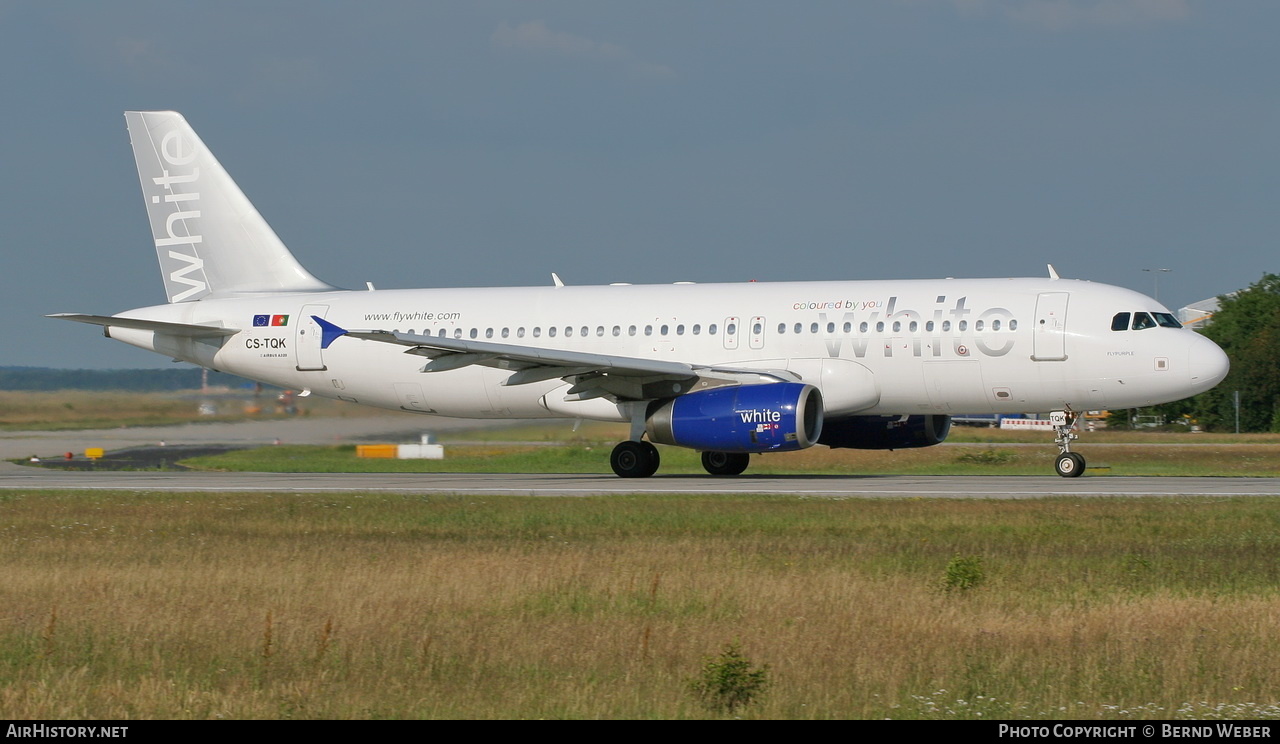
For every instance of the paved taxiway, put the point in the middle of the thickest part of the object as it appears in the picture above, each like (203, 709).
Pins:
(814, 486)
(406, 428)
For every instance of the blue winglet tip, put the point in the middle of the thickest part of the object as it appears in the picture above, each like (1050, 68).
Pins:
(328, 331)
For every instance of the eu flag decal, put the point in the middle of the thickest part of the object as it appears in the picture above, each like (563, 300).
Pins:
(260, 320)
(279, 320)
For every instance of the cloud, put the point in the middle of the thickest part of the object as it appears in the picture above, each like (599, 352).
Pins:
(1066, 14)
(1061, 15)
(534, 37)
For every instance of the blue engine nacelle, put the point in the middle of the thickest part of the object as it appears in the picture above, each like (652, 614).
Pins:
(775, 417)
(886, 432)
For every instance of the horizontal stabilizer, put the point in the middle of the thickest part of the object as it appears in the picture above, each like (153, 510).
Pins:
(188, 330)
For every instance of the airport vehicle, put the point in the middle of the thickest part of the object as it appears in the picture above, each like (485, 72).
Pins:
(729, 370)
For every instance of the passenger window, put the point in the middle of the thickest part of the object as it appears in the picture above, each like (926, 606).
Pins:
(711, 329)
(1013, 325)
(799, 328)
(1142, 321)
(897, 326)
(600, 331)
(537, 331)
(648, 330)
(617, 330)
(813, 328)
(663, 330)
(914, 326)
(880, 327)
(457, 333)
(506, 332)
(585, 332)
(488, 333)
(995, 324)
(731, 329)
(863, 328)
(520, 332)
(848, 327)
(757, 329)
(946, 326)
(831, 327)
(782, 328)
(551, 331)
(964, 325)
(696, 329)
(568, 331)
(928, 326)
(631, 330)
(979, 325)
(1120, 322)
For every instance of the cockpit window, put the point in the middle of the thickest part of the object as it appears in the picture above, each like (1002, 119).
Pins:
(1167, 320)
(1120, 322)
(1142, 321)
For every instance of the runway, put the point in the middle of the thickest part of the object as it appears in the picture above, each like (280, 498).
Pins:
(406, 428)
(811, 486)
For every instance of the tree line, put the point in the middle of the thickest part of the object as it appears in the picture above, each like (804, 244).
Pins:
(1247, 327)
(132, 380)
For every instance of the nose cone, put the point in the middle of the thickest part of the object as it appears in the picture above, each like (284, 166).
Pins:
(1208, 364)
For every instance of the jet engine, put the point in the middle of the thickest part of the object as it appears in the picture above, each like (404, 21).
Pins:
(886, 432)
(774, 417)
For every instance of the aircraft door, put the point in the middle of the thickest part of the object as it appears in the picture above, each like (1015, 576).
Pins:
(756, 339)
(1051, 327)
(731, 333)
(307, 341)
(411, 398)
(956, 386)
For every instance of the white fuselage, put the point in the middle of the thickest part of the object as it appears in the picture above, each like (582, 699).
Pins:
(872, 347)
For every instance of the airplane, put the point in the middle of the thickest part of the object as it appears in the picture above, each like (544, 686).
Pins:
(729, 370)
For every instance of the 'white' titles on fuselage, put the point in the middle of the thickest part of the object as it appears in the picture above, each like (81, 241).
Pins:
(954, 324)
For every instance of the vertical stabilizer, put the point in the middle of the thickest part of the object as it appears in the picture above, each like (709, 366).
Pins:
(209, 238)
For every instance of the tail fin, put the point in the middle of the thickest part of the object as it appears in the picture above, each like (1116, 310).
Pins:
(209, 238)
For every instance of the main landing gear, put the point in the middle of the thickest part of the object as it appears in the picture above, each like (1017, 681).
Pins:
(725, 463)
(638, 459)
(1069, 464)
(633, 459)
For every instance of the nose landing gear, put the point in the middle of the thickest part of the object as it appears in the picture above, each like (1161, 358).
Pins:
(1068, 464)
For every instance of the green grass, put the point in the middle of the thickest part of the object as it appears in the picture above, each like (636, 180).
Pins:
(132, 605)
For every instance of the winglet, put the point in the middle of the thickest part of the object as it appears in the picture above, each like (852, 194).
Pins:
(1053, 273)
(328, 331)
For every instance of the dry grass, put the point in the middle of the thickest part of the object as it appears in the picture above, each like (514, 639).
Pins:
(122, 605)
(86, 409)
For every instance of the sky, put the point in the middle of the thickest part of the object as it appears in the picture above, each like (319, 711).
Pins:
(479, 143)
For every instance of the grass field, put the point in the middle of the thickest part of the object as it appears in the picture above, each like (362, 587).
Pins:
(85, 409)
(128, 605)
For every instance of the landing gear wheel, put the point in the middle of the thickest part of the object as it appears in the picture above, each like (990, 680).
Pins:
(634, 459)
(725, 463)
(1069, 465)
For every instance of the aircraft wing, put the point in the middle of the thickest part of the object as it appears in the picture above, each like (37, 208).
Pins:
(190, 330)
(591, 375)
